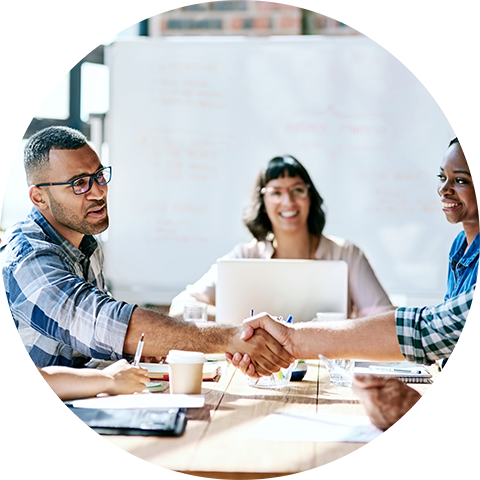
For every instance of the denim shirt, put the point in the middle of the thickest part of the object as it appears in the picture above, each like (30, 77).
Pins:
(463, 265)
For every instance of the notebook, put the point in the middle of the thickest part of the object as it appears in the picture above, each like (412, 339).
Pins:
(300, 288)
(160, 371)
(406, 372)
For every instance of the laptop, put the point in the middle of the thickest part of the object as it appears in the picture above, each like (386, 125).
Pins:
(300, 288)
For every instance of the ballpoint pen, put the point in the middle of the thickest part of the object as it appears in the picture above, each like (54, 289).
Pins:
(138, 353)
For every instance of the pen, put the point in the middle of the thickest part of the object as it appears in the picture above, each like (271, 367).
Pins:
(289, 319)
(252, 312)
(138, 353)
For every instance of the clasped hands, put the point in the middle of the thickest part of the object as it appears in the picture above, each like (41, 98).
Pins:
(385, 400)
(267, 345)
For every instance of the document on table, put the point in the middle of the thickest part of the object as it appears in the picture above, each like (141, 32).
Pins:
(317, 427)
(141, 400)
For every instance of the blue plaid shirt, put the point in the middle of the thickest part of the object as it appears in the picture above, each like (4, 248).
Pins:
(58, 298)
(428, 334)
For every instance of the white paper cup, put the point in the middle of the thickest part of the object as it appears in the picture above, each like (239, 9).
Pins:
(185, 372)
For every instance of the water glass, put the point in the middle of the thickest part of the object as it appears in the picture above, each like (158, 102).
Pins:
(195, 312)
(275, 380)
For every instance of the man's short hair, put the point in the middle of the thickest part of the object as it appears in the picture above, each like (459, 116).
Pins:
(38, 146)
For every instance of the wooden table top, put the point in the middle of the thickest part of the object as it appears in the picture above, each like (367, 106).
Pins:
(216, 444)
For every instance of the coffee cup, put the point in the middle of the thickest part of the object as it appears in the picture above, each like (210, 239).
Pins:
(185, 371)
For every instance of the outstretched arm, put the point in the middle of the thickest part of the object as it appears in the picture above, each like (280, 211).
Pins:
(71, 383)
(372, 338)
(163, 333)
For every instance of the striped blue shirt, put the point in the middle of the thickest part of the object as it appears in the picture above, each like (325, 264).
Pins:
(58, 298)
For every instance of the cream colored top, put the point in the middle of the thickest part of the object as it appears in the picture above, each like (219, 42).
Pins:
(365, 294)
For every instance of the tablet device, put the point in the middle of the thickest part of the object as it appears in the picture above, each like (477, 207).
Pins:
(169, 422)
(300, 288)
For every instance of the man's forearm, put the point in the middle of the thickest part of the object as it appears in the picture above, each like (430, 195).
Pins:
(164, 333)
(370, 338)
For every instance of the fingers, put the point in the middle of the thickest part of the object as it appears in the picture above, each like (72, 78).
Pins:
(243, 363)
(272, 351)
(251, 371)
(261, 340)
(277, 350)
(278, 330)
(247, 333)
(266, 354)
(385, 400)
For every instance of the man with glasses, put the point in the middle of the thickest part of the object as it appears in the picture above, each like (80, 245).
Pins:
(52, 269)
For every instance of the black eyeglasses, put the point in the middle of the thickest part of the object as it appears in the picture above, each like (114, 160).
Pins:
(83, 184)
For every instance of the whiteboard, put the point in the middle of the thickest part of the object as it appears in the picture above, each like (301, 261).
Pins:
(192, 120)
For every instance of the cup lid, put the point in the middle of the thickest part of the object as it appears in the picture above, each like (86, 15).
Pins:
(180, 356)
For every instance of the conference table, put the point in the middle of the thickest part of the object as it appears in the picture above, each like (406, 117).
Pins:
(217, 444)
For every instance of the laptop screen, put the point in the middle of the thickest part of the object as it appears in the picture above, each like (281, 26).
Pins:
(280, 287)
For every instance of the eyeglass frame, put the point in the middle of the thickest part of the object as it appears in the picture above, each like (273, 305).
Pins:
(289, 192)
(93, 176)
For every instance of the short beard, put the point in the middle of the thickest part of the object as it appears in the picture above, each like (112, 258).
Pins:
(80, 225)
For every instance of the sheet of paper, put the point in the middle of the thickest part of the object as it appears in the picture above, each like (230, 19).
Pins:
(141, 400)
(315, 428)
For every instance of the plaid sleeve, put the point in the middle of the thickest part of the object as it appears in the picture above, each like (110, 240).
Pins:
(430, 333)
(65, 308)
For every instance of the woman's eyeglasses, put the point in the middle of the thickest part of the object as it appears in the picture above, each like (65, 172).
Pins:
(84, 184)
(275, 194)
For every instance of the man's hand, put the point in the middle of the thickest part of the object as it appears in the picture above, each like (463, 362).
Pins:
(263, 355)
(386, 400)
(255, 326)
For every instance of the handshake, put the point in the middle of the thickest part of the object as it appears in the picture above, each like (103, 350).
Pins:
(270, 345)
(267, 343)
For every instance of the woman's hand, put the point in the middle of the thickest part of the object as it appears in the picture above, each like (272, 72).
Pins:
(125, 378)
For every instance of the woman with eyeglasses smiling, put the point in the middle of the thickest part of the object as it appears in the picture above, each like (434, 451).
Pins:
(286, 220)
